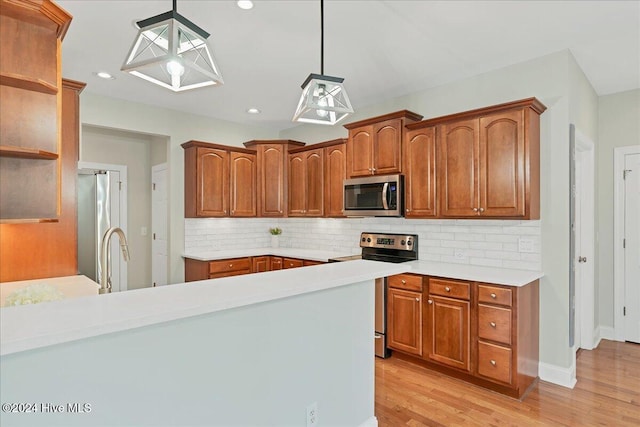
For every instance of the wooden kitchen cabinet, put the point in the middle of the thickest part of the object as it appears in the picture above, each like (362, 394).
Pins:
(489, 161)
(335, 172)
(292, 263)
(306, 179)
(276, 263)
(203, 270)
(448, 323)
(260, 264)
(272, 165)
(30, 111)
(219, 180)
(404, 314)
(374, 146)
(420, 173)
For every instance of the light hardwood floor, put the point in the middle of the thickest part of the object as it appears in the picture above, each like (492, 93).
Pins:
(607, 394)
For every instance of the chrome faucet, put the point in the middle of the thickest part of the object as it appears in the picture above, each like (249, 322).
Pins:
(105, 267)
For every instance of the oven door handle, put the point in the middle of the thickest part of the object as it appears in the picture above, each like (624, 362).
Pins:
(385, 194)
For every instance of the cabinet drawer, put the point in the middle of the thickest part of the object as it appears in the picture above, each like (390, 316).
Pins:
(405, 281)
(292, 263)
(449, 288)
(228, 265)
(228, 274)
(494, 295)
(494, 362)
(494, 323)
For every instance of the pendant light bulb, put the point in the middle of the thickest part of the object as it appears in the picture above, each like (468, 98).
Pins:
(175, 68)
(322, 101)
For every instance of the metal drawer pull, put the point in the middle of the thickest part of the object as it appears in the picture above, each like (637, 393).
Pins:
(377, 337)
(493, 324)
(430, 302)
(230, 265)
(493, 295)
(404, 282)
(418, 299)
(448, 289)
(493, 362)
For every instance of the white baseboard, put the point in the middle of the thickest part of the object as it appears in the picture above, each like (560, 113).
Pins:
(371, 422)
(566, 377)
(606, 333)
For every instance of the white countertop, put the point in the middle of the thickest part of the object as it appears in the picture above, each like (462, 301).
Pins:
(499, 276)
(310, 254)
(39, 325)
(69, 286)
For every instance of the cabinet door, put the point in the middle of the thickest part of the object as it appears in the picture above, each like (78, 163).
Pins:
(314, 182)
(360, 151)
(272, 179)
(387, 152)
(297, 180)
(458, 146)
(260, 264)
(212, 193)
(276, 263)
(420, 173)
(404, 320)
(335, 174)
(502, 164)
(448, 337)
(243, 184)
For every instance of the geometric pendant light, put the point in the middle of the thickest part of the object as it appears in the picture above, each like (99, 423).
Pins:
(172, 52)
(324, 99)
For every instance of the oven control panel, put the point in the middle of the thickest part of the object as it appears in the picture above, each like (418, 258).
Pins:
(404, 242)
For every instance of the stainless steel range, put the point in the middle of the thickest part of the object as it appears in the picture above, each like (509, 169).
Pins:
(394, 248)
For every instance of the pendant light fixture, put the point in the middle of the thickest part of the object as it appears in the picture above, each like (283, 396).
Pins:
(324, 99)
(172, 52)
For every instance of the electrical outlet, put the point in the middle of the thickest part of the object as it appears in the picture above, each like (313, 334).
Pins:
(312, 415)
(458, 254)
(525, 245)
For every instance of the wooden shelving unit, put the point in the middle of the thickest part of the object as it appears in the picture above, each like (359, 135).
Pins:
(28, 83)
(26, 153)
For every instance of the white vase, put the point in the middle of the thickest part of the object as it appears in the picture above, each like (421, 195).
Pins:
(275, 241)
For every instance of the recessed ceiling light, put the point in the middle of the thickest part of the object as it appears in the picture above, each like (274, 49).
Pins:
(245, 4)
(253, 111)
(104, 75)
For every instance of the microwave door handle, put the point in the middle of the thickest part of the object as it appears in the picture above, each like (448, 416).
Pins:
(385, 194)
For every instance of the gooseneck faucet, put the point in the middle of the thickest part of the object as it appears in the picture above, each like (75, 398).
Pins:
(105, 267)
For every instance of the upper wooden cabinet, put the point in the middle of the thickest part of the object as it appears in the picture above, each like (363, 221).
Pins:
(219, 180)
(30, 110)
(273, 165)
(420, 173)
(306, 178)
(374, 146)
(335, 172)
(488, 163)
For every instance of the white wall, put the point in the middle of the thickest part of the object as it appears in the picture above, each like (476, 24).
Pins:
(178, 128)
(251, 366)
(618, 126)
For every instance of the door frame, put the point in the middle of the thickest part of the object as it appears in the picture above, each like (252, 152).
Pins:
(160, 167)
(618, 235)
(585, 157)
(122, 169)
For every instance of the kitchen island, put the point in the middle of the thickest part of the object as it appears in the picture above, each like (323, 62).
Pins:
(246, 350)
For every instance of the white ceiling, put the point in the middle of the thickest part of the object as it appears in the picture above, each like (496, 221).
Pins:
(382, 49)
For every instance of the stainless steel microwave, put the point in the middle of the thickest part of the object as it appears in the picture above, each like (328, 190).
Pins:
(374, 196)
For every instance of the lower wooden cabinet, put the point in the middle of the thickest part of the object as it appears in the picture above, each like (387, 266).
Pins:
(202, 270)
(261, 263)
(276, 263)
(292, 263)
(483, 333)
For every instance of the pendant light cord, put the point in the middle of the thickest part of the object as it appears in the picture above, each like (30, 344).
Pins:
(175, 5)
(321, 37)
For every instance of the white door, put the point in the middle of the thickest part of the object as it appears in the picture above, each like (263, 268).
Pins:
(159, 224)
(632, 247)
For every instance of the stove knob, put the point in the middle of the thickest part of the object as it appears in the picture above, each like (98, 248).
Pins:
(368, 239)
(402, 242)
(409, 242)
(364, 239)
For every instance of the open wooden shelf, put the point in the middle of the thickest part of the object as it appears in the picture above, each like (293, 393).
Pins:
(26, 153)
(28, 221)
(28, 83)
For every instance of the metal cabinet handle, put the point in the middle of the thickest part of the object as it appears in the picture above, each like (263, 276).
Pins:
(404, 282)
(430, 301)
(417, 299)
(230, 265)
(448, 289)
(493, 295)
(493, 362)
(475, 209)
(493, 324)
(481, 209)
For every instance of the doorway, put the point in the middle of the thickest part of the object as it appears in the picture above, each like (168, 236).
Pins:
(582, 273)
(627, 243)
(159, 224)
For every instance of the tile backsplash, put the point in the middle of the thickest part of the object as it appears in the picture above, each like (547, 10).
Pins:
(498, 243)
